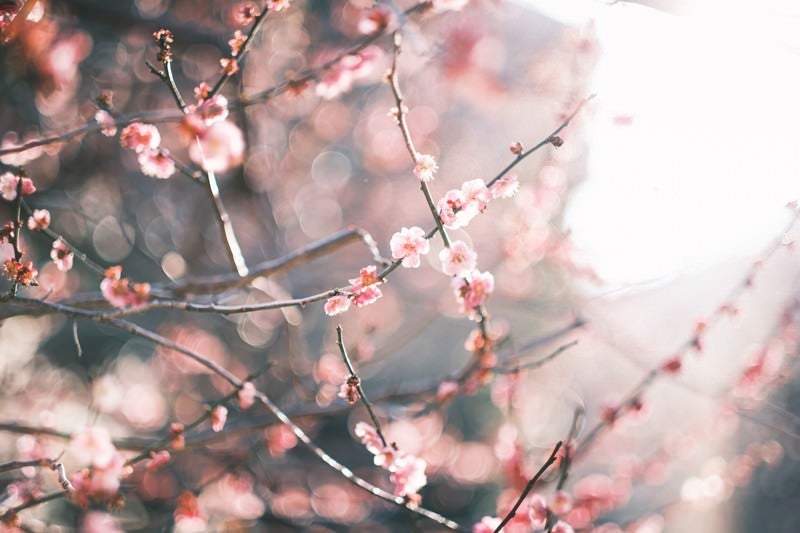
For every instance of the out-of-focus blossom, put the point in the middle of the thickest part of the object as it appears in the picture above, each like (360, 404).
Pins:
(202, 91)
(177, 436)
(562, 527)
(446, 390)
(219, 415)
(505, 187)
(219, 147)
(487, 525)
(9, 183)
(339, 78)
(158, 459)
(140, 137)
(278, 5)
(39, 220)
(376, 19)
(214, 109)
(246, 395)
(108, 126)
(120, 292)
(188, 515)
(561, 502)
(408, 475)
(61, 255)
(369, 437)
(425, 167)
(7, 233)
(156, 164)
(476, 195)
(449, 5)
(245, 13)
(537, 511)
(458, 260)
(337, 304)
(93, 446)
(100, 483)
(99, 522)
(408, 244)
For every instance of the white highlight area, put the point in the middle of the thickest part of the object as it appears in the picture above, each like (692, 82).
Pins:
(694, 147)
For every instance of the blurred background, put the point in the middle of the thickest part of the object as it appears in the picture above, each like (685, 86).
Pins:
(649, 220)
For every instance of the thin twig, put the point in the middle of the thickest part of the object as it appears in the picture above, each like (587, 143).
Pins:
(359, 388)
(528, 488)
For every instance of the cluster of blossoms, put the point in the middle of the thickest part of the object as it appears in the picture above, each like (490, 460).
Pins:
(215, 144)
(120, 292)
(20, 272)
(362, 291)
(10, 184)
(100, 482)
(407, 471)
(144, 139)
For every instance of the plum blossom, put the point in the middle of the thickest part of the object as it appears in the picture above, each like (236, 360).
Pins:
(364, 286)
(349, 390)
(487, 525)
(188, 515)
(476, 194)
(219, 147)
(245, 13)
(39, 220)
(93, 446)
(458, 259)
(562, 527)
(219, 415)
(119, 291)
(157, 460)
(23, 273)
(369, 437)
(108, 126)
(407, 244)
(337, 304)
(505, 187)
(408, 475)
(561, 502)
(9, 183)
(376, 19)
(202, 91)
(237, 42)
(246, 395)
(473, 290)
(140, 137)
(425, 167)
(156, 164)
(212, 110)
(99, 483)
(229, 66)
(537, 511)
(100, 522)
(452, 209)
(61, 255)
(278, 5)
(449, 5)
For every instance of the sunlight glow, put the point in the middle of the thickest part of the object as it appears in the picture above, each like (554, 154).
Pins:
(694, 140)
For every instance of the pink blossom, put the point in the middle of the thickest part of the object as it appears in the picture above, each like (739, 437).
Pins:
(229, 66)
(246, 395)
(366, 296)
(449, 5)
(100, 483)
(140, 137)
(561, 502)
(61, 255)
(369, 437)
(476, 195)
(474, 290)
(245, 13)
(337, 304)
(505, 187)
(218, 417)
(349, 390)
(93, 446)
(425, 167)
(376, 19)
(156, 164)
(487, 525)
(157, 460)
(408, 475)
(219, 147)
(118, 290)
(277, 5)
(537, 511)
(458, 259)
(39, 220)
(452, 209)
(562, 527)
(214, 109)
(9, 184)
(100, 522)
(237, 42)
(202, 91)
(108, 126)
(447, 390)
(408, 244)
